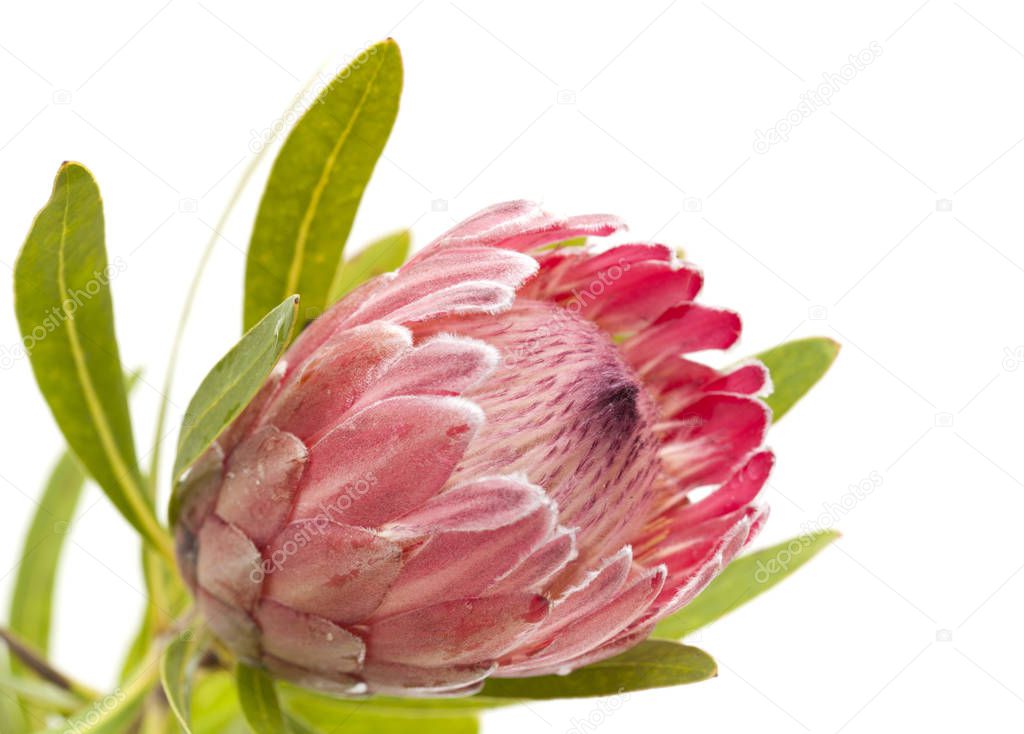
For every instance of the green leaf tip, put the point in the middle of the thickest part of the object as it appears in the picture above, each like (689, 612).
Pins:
(64, 307)
(317, 182)
(795, 367)
(743, 580)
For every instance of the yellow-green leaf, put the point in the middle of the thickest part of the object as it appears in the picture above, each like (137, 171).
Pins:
(651, 664)
(743, 580)
(795, 367)
(258, 698)
(382, 256)
(317, 182)
(231, 384)
(65, 312)
(177, 666)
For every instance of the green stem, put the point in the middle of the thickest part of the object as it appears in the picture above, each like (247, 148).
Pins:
(186, 311)
(35, 662)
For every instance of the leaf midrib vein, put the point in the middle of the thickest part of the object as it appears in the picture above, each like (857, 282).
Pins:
(295, 271)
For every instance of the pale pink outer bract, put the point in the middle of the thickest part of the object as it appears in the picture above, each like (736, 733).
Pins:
(481, 465)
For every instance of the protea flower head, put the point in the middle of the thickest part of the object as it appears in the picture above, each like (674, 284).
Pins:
(483, 464)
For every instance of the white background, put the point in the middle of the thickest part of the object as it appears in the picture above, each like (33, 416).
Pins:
(912, 619)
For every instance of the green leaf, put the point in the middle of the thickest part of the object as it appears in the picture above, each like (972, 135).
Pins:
(115, 712)
(364, 722)
(651, 664)
(65, 312)
(40, 694)
(215, 707)
(177, 666)
(795, 367)
(381, 716)
(382, 256)
(32, 600)
(316, 184)
(232, 382)
(743, 580)
(318, 708)
(258, 698)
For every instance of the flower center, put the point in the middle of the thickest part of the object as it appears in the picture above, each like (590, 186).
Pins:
(564, 409)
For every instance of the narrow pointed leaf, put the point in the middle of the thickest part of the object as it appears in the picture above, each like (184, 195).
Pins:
(795, 367)
(232, 382)
(258, 699)
(743, 580)
(31, 609)
(64, 308)
(316, 183)
(115, 712)
(215, 707)
(32, 600)
(365, 720)
(651, 664)
(382, 256)
(40, 694)
(177, 666)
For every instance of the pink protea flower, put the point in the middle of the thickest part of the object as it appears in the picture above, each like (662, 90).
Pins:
(479, 465)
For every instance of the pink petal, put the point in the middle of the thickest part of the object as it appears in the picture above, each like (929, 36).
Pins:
(409, 680)
(231, 625)
(459, 632)
(541, 565)
(480, 505)
(308, 640)
(710, 436)
(229, 564)
(333, 320)
(641, 295)
(682, 329)
(421, 279)
(739, 490)
(749, 379)
(248, 419)
(335, 571)
(443, 365)
(260, 481)
(694, 558)
(337, 684)
(199, 489)
(387, 459)
(601, 625)
(520, 225)
(469, 297)
(462, 559)
(332, 379)
(591, 594)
